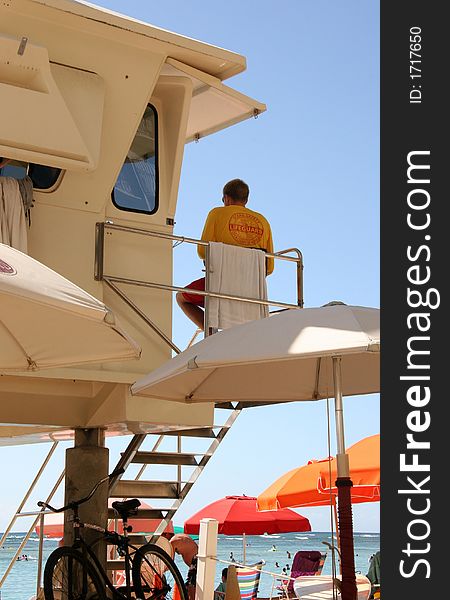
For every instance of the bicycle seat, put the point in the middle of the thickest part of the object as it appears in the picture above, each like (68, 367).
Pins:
(127, 508)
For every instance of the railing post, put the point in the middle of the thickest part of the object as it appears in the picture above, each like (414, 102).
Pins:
(99, 250)
(40, 553)
(207, 286)
(300, 300)
(206, 566)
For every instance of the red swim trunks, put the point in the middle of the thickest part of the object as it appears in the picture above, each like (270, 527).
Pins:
(198, 284)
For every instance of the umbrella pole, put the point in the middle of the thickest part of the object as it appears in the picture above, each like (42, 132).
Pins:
(344, 485)
(244, 544)
(338, 538)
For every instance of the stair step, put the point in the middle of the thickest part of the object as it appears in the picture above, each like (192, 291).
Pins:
(165, 458)
(201, 432)
(169, 490)
(145, 489)
(115, 565)
(144, 513)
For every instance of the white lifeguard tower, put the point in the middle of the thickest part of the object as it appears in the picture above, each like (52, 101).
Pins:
(96, 108)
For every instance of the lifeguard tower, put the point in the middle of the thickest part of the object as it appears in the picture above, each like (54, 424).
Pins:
(96, 109)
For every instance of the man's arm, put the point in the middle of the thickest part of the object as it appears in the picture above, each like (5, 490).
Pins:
(270, 262)
(207, 234)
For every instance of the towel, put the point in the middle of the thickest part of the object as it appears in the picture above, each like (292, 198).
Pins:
(236, 271)
(13, 230)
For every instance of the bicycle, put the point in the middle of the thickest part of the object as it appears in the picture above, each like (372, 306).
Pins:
(75, 573)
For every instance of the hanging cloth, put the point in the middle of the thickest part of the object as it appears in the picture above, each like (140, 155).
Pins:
(13, 231)
(26, 191)
(236, 271)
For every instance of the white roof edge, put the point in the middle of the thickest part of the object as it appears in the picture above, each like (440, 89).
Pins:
(228, 63)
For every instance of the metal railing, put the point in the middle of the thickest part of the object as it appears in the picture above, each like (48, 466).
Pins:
(112, 280)
(38, 518)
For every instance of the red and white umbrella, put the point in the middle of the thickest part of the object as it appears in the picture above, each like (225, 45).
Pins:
(238, 515)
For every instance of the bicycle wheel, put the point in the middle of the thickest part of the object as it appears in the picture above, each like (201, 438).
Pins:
(69, 576)
(156, 576)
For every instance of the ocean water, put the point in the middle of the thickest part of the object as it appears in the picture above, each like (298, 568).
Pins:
(21, 583)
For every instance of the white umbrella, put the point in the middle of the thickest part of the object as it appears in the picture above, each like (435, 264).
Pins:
(285, 357)
(294, 355)
(47, 321)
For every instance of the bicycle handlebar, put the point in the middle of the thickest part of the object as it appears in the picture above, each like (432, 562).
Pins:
(75, 503)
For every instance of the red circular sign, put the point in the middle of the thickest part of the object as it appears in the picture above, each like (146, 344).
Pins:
(6, 269)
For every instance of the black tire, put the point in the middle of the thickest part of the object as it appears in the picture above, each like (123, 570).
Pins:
(61, 581)
(155, 575)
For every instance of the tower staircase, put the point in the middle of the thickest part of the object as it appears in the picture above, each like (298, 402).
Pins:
(178, 468)
(177, 458)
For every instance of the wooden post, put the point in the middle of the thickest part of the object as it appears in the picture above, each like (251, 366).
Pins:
(206, 564)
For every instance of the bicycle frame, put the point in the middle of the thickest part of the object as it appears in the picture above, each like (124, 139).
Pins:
(121, 541)
(114, 538)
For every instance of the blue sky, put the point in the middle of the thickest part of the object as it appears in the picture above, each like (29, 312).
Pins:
(312, 164)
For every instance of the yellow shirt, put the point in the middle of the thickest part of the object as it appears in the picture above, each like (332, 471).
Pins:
(238, 226)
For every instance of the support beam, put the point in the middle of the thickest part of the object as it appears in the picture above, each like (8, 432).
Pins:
(86, 463)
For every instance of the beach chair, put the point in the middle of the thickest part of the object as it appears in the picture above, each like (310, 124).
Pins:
(248, 580)
(243, 582)
(305, 562)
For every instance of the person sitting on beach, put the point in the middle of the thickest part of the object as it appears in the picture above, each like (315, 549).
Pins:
(219, 592)
(232, 559)
(187, 548)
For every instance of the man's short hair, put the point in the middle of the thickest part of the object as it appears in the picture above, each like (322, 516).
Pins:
(225, 572)
(236, 189)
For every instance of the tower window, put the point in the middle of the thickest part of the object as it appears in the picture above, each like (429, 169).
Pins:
(136, 187)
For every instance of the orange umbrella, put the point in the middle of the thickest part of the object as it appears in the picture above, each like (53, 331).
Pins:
(310, 485)
(54, 524)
